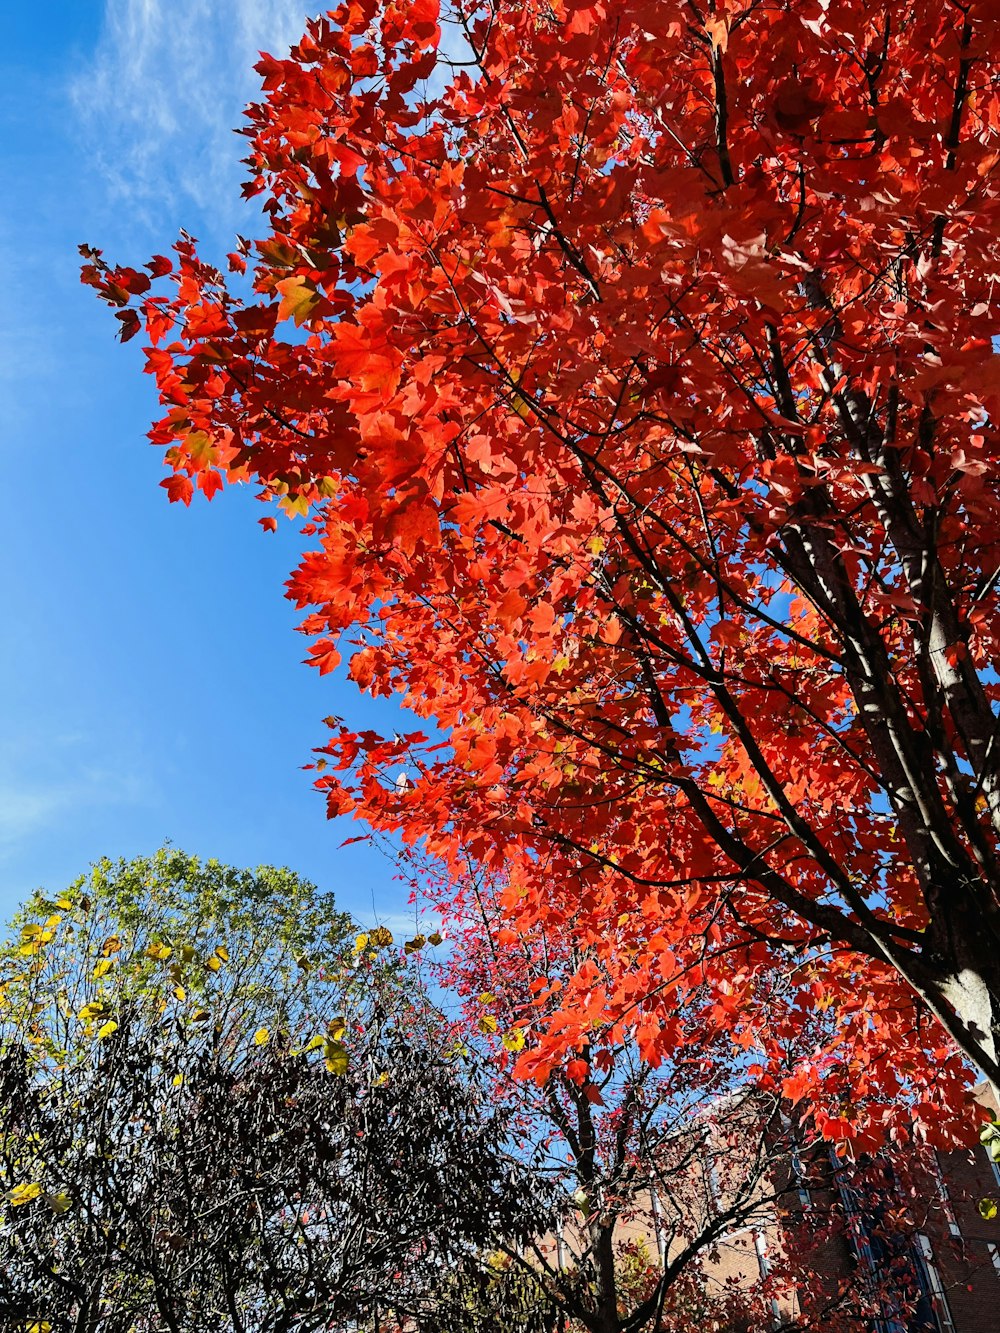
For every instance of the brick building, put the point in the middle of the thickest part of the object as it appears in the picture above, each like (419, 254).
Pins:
(954, 1250)
(917, 1252)
(867, 1246)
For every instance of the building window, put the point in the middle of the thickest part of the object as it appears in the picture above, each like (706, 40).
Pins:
(764, 1267)
(945, 1200)
(798, 1174)
(935, 1287)
(709, 1162)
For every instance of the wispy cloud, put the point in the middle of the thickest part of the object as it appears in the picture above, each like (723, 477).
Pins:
(165, 89)
(26, 808)
(403, 925)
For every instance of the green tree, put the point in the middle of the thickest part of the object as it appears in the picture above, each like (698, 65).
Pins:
(218, 1111)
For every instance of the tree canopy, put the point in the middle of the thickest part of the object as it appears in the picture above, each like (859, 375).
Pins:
(204, 1127)
(632, 367)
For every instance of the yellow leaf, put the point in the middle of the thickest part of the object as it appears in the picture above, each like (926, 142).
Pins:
(213, 964)
(106, 1029)
(298, 298)
(180, 993)
(315, 1043)
(487, 1024)
(487, 997)
(336, 1057)
(95, 1009)
(514, 1041)
(199, 1016)
(40, 1326)
(414, 945)
(24, 1193)
(64, 903)
(158, 951)
(33, 936)
(111, 945)
(187, 952)
(104, 966)
(988, 1209)
(337, 1029)
(59, 1203)
(361, 943)
(294, 504)
(223, 953)
(261, 1037)
(520, 405)
(178, 1080)
(382, 936)
(199, 445)
(435, 937)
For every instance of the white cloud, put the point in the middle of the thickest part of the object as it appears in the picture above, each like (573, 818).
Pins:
(166, 87)
(27, 807)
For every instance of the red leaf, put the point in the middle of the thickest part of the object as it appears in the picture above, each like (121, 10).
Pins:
(178, 487)
(210, 482)
(325, 656)
(130, 324)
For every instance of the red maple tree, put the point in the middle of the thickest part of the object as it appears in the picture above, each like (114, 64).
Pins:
(661, 1178)
(633, 369)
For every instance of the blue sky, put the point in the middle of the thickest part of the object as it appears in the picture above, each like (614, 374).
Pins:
(151, 680)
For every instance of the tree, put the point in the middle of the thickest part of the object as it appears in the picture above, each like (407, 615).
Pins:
(632, 366)
(667, 1182)
(204, 1127)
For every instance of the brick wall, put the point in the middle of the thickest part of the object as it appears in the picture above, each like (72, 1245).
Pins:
(907, 1241)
